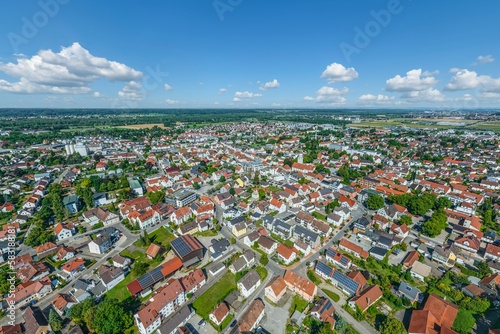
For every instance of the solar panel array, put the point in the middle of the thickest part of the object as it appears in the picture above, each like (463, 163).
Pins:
(326, 306)
(344, 260)
(181, 247)
(146, 280)
(330, 252)
(345, 281)
(156, 274)
(323, 268)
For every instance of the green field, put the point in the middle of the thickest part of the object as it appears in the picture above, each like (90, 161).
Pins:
(298, 304)
(332, 295)
(161, 236)
(214, 295)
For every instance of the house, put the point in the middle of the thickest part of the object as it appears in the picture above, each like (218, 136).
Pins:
(301, 286)
(249, 283)
(473, 291)
(26, 293)
(120, 261)
(35, 321)
(101, 244)
(62, 303)
(277, 205)
(72, 202)
(64, 253)
(437, 314)
(219, 247)
(145, 219)
(302, 247)
(492, 252)
(46, 249)
(63, 232)
(250, 238)
(306, 236)
(286, 254)
(267, 244)
(162, 304)
(188, 249)
(32, 271)
(323, 310)
(251, 318)
(111, 276)
(176, 323)
(469, 243)
(352, 248)
(410, 259)
(446, 256)
(193, 281)
(420, 271)
(239, 229)
(276, 289)
(366, 298)
(400, 230)
(153, 251)
(409, 292)
(337, 259)
(73, 267)
(246, 260)
(335, 219)
(97, 215)
(220, 313)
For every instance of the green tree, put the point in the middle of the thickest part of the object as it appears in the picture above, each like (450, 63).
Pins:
(464, 322)
(483, 269)
(139, 269)
(264, 260)
(375, 202)
(442, 202)
(110, 317)
(222, 178)
(232, 241)
(55, 321)
(392, 325)
(232, 191)
(405, 219)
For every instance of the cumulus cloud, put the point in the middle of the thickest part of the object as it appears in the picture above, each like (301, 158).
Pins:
(330, 95)
(336, 72)
(132, 91)
(375, 99)
(464, 79)
(171, 102)
(270, 84)
(427, 95)
(222, 91)
(71, 70)
(236, 99)
(246, 94)
(484, 59)
(97, 94)
(167, 87)
(414, 80)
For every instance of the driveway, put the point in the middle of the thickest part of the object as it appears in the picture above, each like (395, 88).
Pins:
(276, 317)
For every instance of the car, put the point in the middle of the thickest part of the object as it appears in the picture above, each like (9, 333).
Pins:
(233, 323)
(202, 322)
(441, 269)
(120, 235)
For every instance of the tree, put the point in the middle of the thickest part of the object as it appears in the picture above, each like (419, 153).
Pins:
(483, 269)
(55, 321)
(464, 321)
(156, 197)
(196, 185)
(262, 194)
(147, 238)
(110, 317)
(222, 178)
(232, 241)
(139, 269)
(437, 223)
(232, 191)
(264, 260)
(405, 219)
(442, 202)
(392, 325)
(375, 202)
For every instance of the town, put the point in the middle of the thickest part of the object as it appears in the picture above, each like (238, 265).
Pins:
(252, 227)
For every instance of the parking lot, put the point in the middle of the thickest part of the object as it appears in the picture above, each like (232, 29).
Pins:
(205, 328)
(276, 317)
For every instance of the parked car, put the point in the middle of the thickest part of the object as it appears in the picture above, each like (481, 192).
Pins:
(202, 322)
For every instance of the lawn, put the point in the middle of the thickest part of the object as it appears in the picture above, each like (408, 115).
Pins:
(214, 295)
(224, 324)
(319, 216)
(313, 277)
(286, 242)
(298, 304)
(332, 295)
(120, 291)
(207, 233)
(160, 236)
(262, 272)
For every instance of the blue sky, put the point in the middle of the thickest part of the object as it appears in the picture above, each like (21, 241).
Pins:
(249, 53)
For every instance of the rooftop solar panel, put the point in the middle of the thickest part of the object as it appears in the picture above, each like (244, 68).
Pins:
(323, 268)
(330, 252)
(156, 274)
(145, 280)
(345, 281)
(344, 260)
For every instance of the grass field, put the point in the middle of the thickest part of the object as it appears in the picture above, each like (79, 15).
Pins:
(298, 304)
(142, 126)
(161, 236)
(333, 296)
(214, 295)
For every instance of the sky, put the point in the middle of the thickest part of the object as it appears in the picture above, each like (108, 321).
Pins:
(249, 54)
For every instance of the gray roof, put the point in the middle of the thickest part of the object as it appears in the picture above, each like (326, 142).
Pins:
(409, 291)
(176, 320)
(250, 279)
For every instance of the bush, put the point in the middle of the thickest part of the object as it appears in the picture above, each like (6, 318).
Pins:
(464, 322)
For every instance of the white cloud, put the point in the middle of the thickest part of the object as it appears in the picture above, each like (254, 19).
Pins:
(485, 59)
(427, 95)
(270, 84)
(466, 80)
(236, 99)
(246, 94)
(330, 95)
(375, 99)
(336, 72)
(97, 94)
(414, 80)
(132, 91)
(222, 91)
(71, 70)
(167, 87)
(171, 102)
